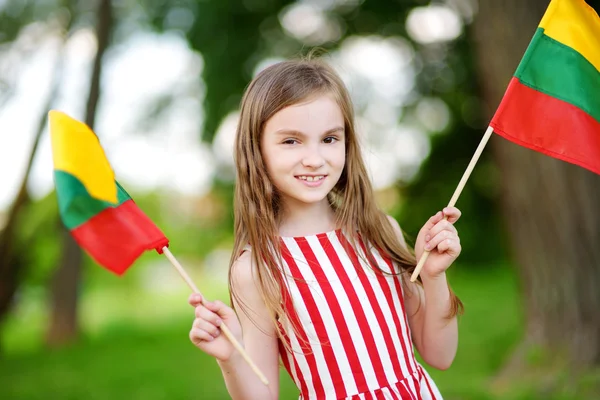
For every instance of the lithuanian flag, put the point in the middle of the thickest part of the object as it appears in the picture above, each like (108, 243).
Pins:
(98, 212)
(552, 103)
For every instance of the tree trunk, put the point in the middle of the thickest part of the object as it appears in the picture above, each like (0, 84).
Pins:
(551, 209)
(12, 256)
(64, 325)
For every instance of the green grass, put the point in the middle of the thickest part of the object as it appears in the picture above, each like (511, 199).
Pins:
(136, 347)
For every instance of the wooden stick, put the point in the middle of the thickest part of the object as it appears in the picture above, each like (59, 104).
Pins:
(223, 327)
(457, 192)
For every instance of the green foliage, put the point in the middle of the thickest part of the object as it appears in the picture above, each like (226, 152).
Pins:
(234, 35)
(229, 35)
(38, 231)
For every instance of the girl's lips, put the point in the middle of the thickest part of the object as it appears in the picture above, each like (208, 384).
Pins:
(316, 183)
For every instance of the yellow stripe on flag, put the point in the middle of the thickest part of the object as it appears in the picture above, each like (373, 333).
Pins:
(575, 24)
(76, 150)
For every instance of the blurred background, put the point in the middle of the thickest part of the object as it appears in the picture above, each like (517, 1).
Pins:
(160, 82)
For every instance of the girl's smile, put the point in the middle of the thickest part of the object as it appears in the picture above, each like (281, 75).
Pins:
(312, 180)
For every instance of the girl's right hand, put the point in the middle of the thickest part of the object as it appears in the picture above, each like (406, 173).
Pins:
(205, 332)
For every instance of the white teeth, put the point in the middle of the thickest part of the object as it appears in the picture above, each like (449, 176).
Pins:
(311, 178)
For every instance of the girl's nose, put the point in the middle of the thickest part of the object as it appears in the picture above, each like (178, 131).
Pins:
(313, 160)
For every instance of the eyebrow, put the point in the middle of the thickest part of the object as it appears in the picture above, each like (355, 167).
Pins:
(284, 131)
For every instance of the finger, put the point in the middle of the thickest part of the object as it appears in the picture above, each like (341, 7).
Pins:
(434, 220)
(439, 238)
(207, 315)
(449, 246)
(206, 326)
(200, 335)
(452, 214)
(219, 308)
(443, 225)
(195, 299)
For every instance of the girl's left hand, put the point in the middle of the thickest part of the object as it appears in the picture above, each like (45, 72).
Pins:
(440, 238)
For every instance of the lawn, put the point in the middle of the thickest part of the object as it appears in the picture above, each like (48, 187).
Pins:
(136, 347)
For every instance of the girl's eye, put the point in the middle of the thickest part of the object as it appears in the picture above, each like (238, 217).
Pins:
(290, 141)
(330, 139)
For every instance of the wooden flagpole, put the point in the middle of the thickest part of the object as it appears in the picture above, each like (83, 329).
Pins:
(223, 327)
(457, 192)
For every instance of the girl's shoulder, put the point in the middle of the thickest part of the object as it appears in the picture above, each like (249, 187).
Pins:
(242, 270)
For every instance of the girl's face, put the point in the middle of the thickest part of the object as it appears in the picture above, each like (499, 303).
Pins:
(304, 150)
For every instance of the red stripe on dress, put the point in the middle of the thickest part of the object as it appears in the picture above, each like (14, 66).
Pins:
(404, 391)
(285, 356)
(359, 312)
(379, 394)
(379, 313)
(338, 317)
(310, 357)
(424, 377)
(340, 321)
(406, 333)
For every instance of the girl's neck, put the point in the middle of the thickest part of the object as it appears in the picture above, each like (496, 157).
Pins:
(307, 219)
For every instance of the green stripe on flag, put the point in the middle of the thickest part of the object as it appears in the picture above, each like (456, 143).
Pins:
(561, 72)
(75, 204)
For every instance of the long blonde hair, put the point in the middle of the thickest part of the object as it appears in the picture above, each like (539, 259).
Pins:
(256, 201)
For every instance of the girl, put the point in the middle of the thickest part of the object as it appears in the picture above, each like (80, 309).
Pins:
(319, 276)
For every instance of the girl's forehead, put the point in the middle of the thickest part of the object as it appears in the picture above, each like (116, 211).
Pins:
(317, 115)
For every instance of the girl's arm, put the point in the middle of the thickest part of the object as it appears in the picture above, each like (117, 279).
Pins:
(259, 339)
(434, 335)
(256, 334)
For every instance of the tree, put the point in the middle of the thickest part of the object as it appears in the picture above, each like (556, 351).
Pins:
(13, 253)
(64, 325)
(550, 208)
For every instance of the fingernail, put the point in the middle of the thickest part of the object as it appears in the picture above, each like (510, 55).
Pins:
(428, 247)
(427, 237)
(218, 322)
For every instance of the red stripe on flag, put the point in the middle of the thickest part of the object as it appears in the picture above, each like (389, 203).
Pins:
(546, 124)
(117, 236)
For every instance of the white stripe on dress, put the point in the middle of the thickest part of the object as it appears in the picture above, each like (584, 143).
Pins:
(374, 326)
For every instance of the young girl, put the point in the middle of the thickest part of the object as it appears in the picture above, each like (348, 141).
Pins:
(319, 276)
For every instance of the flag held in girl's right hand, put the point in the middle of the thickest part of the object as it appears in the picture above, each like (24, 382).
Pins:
(98, 212)
(552, 104)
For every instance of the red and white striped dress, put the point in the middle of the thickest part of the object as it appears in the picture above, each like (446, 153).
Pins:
(353, 340)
